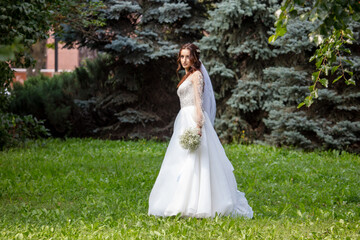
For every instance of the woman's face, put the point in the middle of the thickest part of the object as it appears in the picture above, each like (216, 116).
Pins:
(185, 58)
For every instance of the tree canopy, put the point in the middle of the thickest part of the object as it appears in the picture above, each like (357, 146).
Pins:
(23, 23)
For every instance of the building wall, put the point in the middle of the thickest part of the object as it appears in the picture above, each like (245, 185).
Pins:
(21, 75)
(68, 60)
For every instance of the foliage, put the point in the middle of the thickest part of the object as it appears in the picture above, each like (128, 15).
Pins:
(16, 130)
(45, 98)
(61, 99)
(78, 14)
(139, 32)
(5, 83)
(93, 77)
(22, 23)
(91, 101)
(233, 37)
(325, 58)
(132, 91)
(7, 52)
(92, 189)
(259, 84)
(333, 19)
(142, 31)
(25, 22)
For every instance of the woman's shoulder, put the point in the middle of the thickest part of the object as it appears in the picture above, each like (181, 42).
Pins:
(196, 76)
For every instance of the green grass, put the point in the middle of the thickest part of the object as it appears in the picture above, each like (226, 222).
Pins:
(93, 189)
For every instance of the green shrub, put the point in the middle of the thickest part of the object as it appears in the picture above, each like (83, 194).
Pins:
(97, 98)
(45, 98)
(93, 75)
(16, 130)
(6, 75)
(76, 103)
(52, 99)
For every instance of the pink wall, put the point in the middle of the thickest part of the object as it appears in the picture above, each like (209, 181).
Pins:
(68, 59)
(21, 75)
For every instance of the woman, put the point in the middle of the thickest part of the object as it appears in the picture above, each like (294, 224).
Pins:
(197, 183)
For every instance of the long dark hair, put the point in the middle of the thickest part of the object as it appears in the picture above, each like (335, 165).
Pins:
(194, 59)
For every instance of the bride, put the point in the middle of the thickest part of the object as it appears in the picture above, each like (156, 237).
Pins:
(197, 183)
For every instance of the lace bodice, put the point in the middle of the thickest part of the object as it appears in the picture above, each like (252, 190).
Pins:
(190, 94)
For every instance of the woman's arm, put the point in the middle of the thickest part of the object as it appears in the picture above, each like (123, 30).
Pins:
(198, 84)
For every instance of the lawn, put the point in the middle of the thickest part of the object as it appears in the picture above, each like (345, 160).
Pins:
(95, 189)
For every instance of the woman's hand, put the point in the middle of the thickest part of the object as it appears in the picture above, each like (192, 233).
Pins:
(199, 130)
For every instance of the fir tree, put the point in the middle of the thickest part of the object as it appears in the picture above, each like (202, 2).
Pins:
(260, 85)
(143, 37)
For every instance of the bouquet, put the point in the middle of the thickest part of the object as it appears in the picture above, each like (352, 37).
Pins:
(190, 139)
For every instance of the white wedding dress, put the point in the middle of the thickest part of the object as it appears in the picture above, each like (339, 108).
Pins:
(196, 183)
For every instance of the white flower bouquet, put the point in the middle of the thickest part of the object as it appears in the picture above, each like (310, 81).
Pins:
(190, 139)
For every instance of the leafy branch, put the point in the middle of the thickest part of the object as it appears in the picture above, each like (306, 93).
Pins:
(330, 36)
(328, 58)
(79, 14)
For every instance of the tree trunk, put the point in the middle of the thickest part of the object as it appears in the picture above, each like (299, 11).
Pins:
(38, 52)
